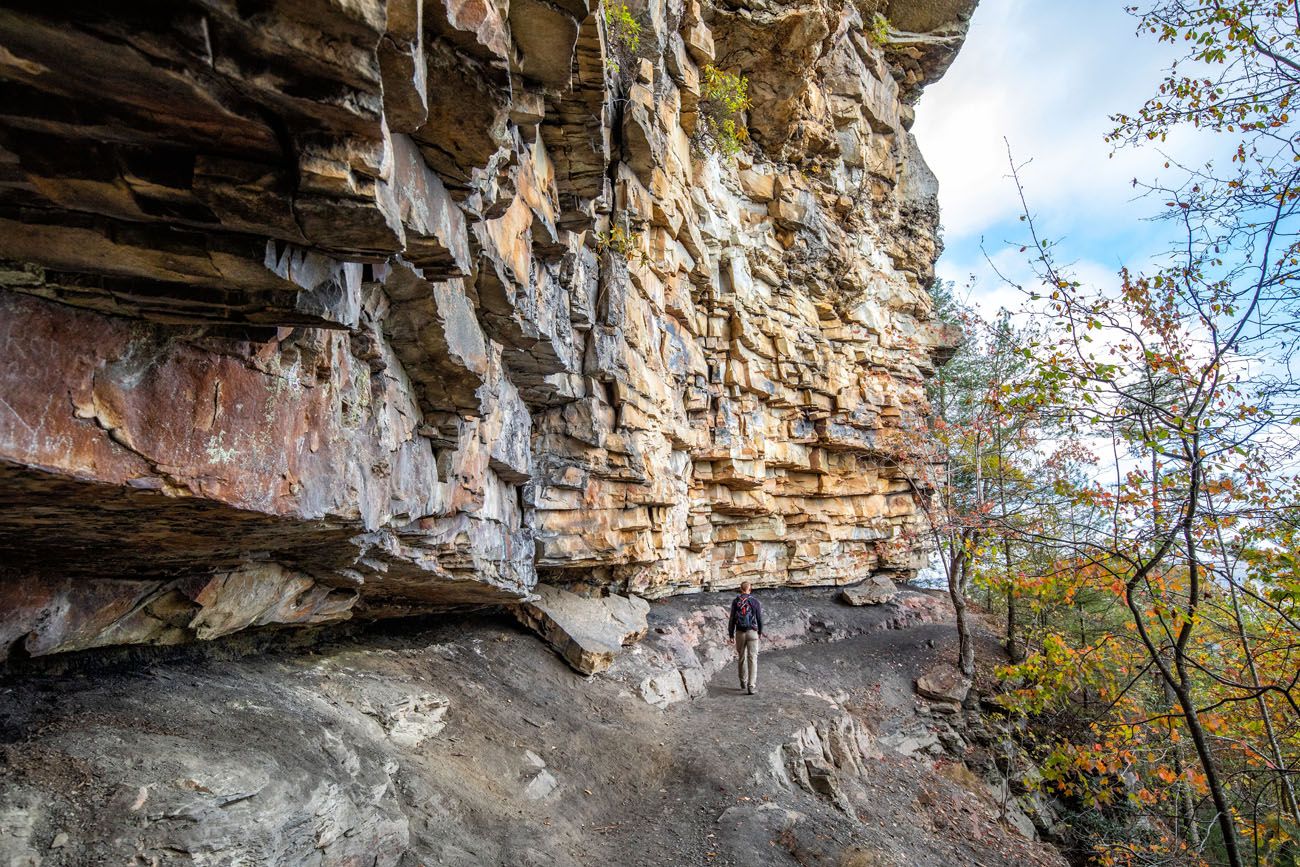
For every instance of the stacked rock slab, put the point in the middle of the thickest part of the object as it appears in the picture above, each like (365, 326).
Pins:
(305, 311)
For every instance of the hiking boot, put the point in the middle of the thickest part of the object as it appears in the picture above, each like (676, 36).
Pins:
(749, 691)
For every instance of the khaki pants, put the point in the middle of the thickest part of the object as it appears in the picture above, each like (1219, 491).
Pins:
(747, 657)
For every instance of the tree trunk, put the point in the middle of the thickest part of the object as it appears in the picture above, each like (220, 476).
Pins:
(1185, 803)
(1226, 825)
(1014, 650)
(1183, 685)
(1284, 780)
(1285, 789)
(1177, 679)
(958, 577)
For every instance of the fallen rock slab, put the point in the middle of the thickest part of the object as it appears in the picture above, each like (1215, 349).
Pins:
(588, 632)
(910, 744)
(876, 590)
(943, 685)
(748, 827)
(538, 781)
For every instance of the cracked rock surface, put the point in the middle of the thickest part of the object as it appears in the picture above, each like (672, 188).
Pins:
(309, 311)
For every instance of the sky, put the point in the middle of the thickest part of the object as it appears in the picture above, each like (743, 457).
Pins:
(1044, 77)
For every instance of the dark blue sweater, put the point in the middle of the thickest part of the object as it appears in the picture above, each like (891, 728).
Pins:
(735, 608)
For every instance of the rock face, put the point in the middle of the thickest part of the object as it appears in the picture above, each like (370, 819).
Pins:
(311, 311)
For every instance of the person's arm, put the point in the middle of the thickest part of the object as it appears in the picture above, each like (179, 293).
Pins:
(731, 624)
(758, 616)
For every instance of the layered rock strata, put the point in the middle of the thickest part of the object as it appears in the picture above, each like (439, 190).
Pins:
(311, 311)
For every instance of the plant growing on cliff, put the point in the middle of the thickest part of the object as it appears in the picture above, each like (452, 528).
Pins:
(624, 31)
(724, 99)
(624, 242)
(619, 240)
(878, 32)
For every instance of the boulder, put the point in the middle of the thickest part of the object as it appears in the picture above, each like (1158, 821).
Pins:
(538, 782)
(943, 685)
(876, 590)
(586, 631)
(664, 688)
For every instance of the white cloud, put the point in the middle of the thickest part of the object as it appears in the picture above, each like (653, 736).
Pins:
(1045, 75)
(1005, 280)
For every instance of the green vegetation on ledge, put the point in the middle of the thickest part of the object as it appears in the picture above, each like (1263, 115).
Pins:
(724, 101)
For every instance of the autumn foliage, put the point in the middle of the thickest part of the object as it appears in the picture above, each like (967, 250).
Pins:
(1119, 477)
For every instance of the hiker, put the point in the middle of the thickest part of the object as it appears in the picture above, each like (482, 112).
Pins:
(746, 628)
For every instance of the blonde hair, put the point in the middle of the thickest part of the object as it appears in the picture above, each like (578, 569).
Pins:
(745, 586)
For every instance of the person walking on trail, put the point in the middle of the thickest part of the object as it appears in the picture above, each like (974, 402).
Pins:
(746, 629)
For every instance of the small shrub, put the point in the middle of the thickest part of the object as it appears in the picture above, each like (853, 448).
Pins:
(624, 33)
(879, 31)
(625, 242)
(724, 98)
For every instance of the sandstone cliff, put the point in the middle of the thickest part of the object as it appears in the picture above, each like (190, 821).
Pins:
(313, 310)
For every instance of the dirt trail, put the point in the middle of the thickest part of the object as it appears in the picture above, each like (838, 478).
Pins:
(470, 744)
(906, 809)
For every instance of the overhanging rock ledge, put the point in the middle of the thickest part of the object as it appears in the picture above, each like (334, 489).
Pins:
(306, 311)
